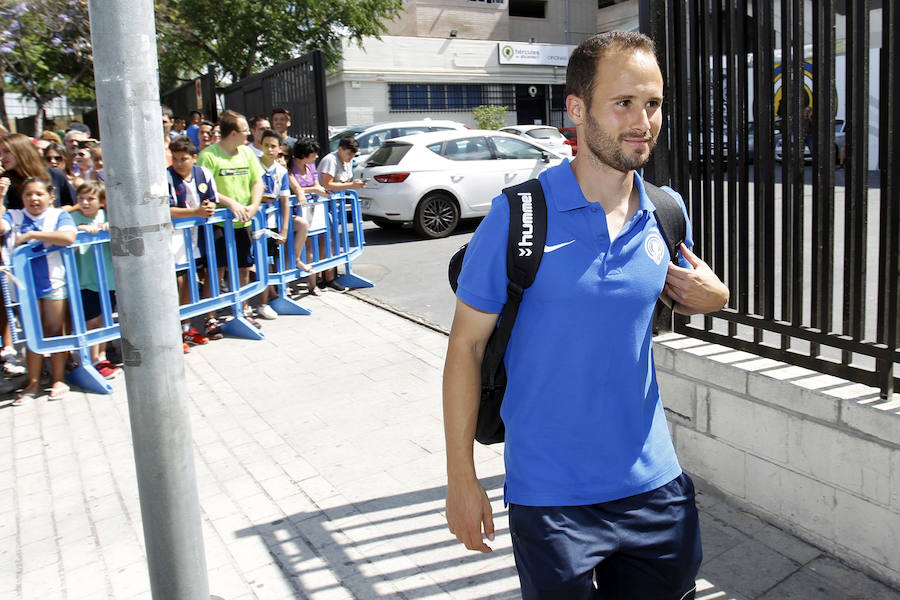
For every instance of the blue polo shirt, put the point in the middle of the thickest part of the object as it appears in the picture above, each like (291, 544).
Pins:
(584, 422)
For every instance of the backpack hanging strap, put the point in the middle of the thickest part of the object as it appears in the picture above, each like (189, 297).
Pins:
(524, 250)
(669, 218)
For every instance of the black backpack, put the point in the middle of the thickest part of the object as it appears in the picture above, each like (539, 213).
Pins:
(525, 248)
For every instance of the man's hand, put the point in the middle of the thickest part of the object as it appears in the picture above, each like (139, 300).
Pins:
(239, 210)
(468, 508)
(206, 209)
(4, 185)
(696, 290)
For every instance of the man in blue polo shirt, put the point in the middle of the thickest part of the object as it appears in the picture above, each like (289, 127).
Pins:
(598, 504)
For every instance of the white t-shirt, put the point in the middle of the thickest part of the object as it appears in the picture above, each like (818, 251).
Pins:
(331, 164)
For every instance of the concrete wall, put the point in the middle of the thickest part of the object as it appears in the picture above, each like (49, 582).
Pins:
(814, 454)
(471, 20)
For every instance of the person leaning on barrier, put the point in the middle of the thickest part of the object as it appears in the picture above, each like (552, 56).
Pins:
(305, 178)
(278, 189)
(40, 221)
(90, 216)
(238, 175)
(192, 193)
(598, 504)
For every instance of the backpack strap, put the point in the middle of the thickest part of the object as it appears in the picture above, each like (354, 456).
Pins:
(669, 218)
(524, 250)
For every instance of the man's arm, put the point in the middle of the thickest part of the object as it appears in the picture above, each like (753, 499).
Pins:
(468, 506)
(694, 291)
(329, 183)
(256, 193)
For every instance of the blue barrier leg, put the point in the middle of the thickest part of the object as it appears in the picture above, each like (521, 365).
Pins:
(352, 280)
(87, 377)
(288, 306)
(241, 327)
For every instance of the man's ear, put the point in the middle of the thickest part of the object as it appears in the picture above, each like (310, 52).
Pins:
(575, 108)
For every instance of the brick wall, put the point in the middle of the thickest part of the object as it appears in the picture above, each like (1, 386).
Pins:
(814, 454)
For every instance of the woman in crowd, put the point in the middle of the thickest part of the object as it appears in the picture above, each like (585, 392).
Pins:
(58, 157)
(303, 172)
(21, 160)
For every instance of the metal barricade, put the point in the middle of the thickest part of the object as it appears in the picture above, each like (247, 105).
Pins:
(329, 223)
(343, 242)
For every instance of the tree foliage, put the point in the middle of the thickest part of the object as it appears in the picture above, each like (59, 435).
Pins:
(489, 117)
(45, 49)
(242, 37)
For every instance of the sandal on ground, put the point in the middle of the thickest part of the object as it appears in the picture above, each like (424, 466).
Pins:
(315, 291)
(22, 397)
(57, 394)
(213, 329)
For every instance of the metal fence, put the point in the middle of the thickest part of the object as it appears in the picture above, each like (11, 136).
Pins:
(785, 153)
(297, 85)
(199, 94)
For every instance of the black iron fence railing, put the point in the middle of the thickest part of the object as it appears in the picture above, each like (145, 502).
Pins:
(784, 142)
(297, 85)
(199, 94)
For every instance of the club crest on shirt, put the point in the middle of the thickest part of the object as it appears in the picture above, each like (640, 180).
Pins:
(655, 247)
(202, 188)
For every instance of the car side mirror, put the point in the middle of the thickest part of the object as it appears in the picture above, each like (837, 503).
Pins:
(545, 156)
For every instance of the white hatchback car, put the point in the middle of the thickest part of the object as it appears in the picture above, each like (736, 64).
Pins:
(436, 179)
(544, 135)
(370, 137)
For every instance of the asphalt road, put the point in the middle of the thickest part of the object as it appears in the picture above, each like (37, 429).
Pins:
(410, 272)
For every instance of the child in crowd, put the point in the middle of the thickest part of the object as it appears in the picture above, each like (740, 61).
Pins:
(97, 160)
(192, 193)
(277, 186)
(305, 178)
(39, 221)
(90, 216)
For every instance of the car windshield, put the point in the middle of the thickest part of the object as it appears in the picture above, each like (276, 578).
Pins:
(389, 154)
(545, 133)
(334, 140)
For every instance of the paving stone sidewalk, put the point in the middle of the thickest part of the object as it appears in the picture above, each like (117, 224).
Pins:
(320, 463)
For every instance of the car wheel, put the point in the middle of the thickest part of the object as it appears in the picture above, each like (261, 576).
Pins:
(436, 216)
(387, 223)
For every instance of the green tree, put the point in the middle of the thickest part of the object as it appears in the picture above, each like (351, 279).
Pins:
(243, 37)
(45, 49)
(489, 117)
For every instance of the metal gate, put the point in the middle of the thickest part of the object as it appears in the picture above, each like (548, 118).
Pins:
(199, 94)
(297, 85)
(785, 152)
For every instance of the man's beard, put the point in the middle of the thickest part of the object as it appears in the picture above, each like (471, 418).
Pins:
(609, 151)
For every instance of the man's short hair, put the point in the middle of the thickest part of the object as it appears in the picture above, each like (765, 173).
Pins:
(205, 122)
(306, 146)
(228, 122)
(195, 112)
(166, 111)
(182, 144)
(79, 126)
(255, 120)
(270, 133)
(583, 62)
(281, 111)
(349, 143)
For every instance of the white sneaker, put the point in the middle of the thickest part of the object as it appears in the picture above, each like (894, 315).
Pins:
(8, 354)
(266, 312)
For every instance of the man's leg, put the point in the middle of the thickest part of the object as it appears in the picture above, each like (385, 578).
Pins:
(659, 551)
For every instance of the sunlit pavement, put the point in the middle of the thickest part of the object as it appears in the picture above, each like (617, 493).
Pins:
(320, 462)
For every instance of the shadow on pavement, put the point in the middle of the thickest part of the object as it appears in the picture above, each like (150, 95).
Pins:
(376, 236)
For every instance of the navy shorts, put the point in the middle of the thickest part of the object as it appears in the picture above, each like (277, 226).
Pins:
(90, 302)
(641, 547)
(242, 245)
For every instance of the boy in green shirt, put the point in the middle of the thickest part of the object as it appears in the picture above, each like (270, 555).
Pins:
(239, 186)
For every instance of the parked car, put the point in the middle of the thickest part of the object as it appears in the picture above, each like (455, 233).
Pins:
(544, 135)
(571, 138)
(436, 179)
(840, 140)
(370, 137)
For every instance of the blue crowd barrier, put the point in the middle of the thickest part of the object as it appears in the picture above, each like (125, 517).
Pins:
(343, 243)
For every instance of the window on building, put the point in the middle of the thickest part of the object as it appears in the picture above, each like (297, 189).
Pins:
(534, 9)
(447, 97)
